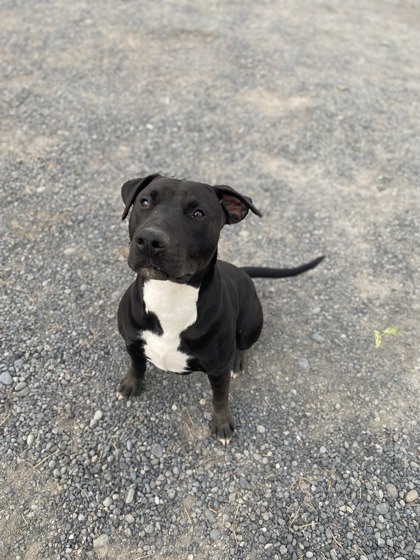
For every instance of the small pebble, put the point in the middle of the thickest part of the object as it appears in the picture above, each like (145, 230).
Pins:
(130, 494)
(101, 541)
(392, 490)
(6, 378)
(98, 415)
(261, 429)
(30, 439)
(215, 534)
(157, 450)
(21, 385)
(318, 338)
(411, 496)
(210, 516)
(303, 365)
(382, 508)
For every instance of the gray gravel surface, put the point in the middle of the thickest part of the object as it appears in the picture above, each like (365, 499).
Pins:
(312, 109)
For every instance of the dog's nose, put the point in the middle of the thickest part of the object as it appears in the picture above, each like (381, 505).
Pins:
(151, 241)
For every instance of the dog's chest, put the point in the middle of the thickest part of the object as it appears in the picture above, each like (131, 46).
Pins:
(175, 306)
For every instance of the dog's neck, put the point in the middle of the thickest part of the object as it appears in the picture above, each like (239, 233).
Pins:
(202, 278)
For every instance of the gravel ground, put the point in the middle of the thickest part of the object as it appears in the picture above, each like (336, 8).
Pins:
(310, 108)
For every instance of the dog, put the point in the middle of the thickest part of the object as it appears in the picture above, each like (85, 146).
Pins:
(186, 310)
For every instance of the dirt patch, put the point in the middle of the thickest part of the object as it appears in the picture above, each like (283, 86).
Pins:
(26, 498)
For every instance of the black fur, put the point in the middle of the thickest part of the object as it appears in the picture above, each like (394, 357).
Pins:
(174, 230)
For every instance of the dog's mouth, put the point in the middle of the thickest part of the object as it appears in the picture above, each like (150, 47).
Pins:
(157, 268)
(151, 272)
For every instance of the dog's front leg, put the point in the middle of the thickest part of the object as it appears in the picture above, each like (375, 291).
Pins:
(132, 384)
(223, 423)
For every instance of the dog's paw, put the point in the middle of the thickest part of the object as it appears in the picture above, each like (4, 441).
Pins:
(223, 427)
(129, 387)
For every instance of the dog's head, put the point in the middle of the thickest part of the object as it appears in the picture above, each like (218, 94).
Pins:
(174, 224)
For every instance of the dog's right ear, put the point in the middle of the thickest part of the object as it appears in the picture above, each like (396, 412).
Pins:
(131, 189)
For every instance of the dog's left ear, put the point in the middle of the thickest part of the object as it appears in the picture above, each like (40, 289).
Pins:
(235, 205)
(131, 189)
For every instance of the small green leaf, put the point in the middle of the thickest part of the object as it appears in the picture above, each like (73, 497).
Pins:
(390, 330)
(379, 335)
(378, 338)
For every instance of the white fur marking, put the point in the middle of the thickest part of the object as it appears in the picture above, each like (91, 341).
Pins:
(175, 305)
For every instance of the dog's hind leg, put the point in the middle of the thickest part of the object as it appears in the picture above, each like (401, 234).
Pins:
(239, 363)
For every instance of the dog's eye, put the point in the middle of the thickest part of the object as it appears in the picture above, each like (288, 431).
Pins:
(198, 214)
(144, 203)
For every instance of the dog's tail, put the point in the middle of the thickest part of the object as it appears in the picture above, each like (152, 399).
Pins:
(264, 272)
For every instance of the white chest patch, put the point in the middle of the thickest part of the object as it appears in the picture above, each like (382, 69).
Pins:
(175, 305)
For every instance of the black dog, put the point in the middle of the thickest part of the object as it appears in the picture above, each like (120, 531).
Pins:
(187, 311)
